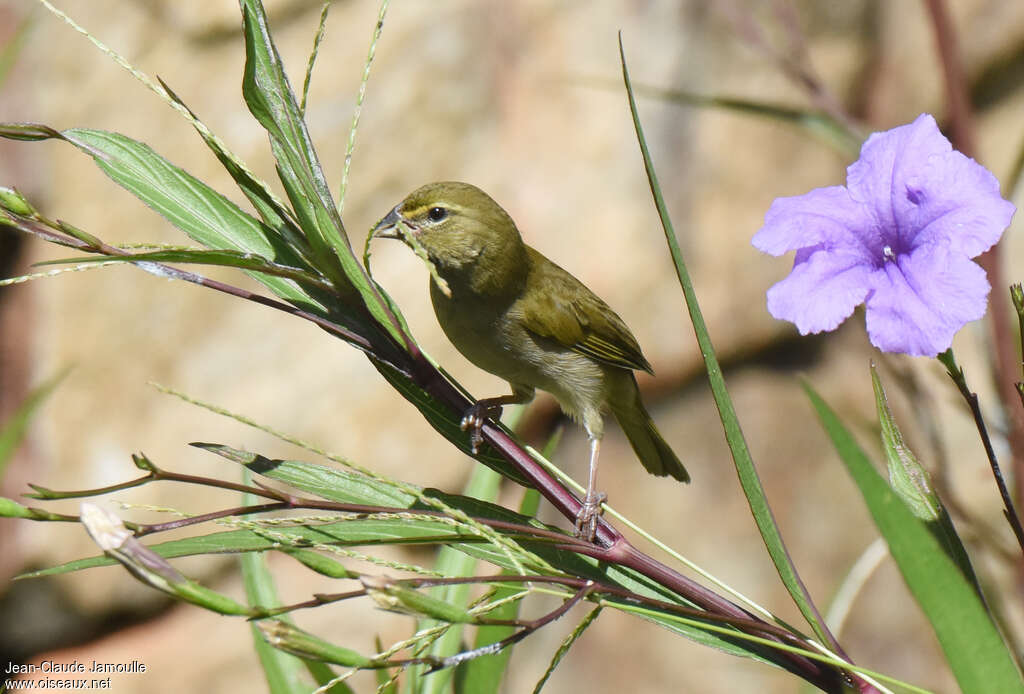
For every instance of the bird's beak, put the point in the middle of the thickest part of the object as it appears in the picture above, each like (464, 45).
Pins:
(387, 228)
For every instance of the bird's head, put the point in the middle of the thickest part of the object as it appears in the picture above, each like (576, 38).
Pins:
(462, 228)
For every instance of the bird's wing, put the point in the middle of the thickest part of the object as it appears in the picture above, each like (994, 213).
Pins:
(574, 317)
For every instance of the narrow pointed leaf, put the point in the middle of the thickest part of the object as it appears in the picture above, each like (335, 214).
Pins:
(971, 642)
(283, 671)
(745, 470)
(815, 122)
(484, 675)
(354, 532)
(224, 258)
(189, 204)
(326, 482)
(271, 210)
(272, 102)
(13, 430)
(912, 483)
(484, 485)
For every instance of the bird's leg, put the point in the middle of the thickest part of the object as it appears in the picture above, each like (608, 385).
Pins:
(490, 408)
(586, 521)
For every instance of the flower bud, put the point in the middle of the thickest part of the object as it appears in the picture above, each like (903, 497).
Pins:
(395, 597)
(291, 639)
(13, 201)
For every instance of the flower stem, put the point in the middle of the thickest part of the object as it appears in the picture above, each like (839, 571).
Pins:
(961, 125)
(957, 374)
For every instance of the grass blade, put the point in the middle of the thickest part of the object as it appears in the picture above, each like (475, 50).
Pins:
(13, 430)
(483, 485)
(745, 469)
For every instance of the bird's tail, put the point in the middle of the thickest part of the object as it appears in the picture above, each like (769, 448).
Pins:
(647, 442)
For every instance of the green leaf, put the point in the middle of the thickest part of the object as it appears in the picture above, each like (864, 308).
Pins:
(284, 672)
(291, 639)
(446, 422)
(13, 430)
(484, 675)
(271, 101)
(348, 487)
(912, 483)
(317, 562)
(818, 123)
(214, 221)
(906, 475)
(326, 482)
(225, 258)
(745, 470)
(271, 210)
(352, 531)
(189, 204)
(11, 49)
(12, 200)
(484, 485)
(395, 597)
(980, 660)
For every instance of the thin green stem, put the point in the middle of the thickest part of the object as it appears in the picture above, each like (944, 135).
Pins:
(312, 56)
(357, 112)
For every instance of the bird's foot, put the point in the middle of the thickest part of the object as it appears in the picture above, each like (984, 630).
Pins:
(586, 520)
(473, 421)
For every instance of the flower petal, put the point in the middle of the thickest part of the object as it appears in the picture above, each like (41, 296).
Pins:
(887, 160)
(959, 204)
(921, 191)
(821, 291)
(823, 216)
(920, 301)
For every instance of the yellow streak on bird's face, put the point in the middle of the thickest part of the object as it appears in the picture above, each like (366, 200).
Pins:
(463, 230)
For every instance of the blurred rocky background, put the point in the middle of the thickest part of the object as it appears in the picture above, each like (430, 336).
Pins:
(523, 99)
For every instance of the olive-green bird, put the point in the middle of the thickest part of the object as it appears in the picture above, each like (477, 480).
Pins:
(514, 313)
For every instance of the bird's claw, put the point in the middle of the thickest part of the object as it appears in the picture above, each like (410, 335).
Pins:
(586, 520)
(473, 422)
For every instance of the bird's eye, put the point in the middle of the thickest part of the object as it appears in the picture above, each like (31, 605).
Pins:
(436, 214)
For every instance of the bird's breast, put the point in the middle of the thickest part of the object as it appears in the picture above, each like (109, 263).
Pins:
(480, 329)
(493, 337)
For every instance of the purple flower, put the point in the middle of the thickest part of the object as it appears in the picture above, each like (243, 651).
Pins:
(899, 238)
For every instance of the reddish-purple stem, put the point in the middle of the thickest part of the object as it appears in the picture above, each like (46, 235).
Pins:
(961, 131)
(610, 545)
